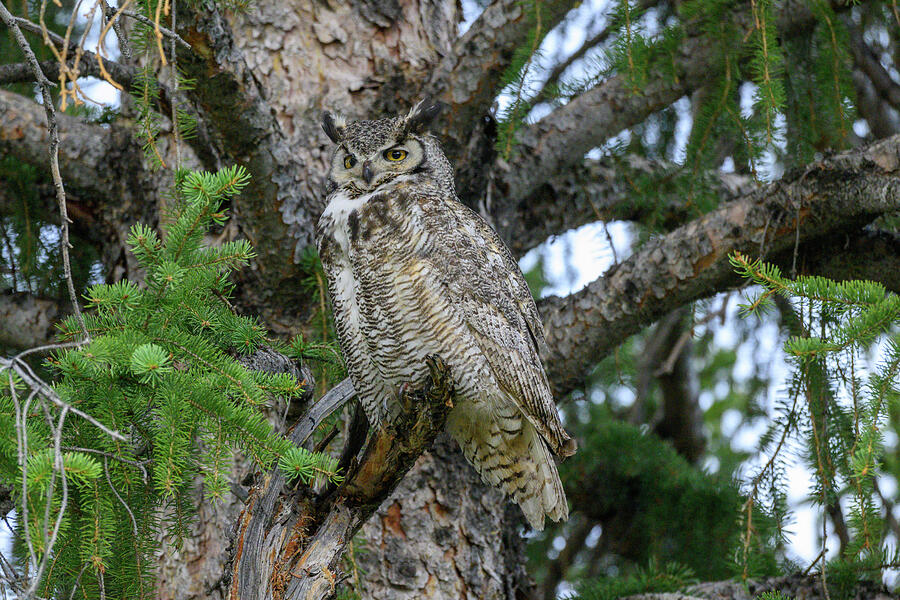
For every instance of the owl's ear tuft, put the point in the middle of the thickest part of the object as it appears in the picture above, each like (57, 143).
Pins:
(334, 126)
(421, 115)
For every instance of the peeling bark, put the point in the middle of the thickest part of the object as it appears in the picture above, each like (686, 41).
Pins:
(443, 533)
(290, 542)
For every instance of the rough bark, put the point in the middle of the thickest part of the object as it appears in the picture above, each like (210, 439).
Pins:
(444, 534)
(268, 74)
(26, 321)
(290, 543)
(807, 587)
(603, 190)
(835, 195)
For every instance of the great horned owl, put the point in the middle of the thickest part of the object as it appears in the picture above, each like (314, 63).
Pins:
(412, 271)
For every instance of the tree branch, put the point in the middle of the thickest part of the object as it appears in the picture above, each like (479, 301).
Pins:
(289, 544)
(471, 75)
(829, 199)
(560, 139)
(104, 163)
(123, 75)
(604, 190)
(89, 66)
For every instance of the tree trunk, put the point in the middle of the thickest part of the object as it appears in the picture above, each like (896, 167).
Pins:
(443, 533)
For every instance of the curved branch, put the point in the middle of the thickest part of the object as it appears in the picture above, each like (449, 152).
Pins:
(558, 141)
(561, 139)
(830, 198)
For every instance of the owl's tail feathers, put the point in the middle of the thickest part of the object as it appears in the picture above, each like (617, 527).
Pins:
(543, 492)
(521, 465)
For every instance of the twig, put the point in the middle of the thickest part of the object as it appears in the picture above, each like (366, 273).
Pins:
(77, 581)
(134, 463)
(114, 491)
(21, 411)
(146, 21)
(124, 45)
(669, 363)
(39, 386)
(53, 130)
(47, 347)
(175, 128)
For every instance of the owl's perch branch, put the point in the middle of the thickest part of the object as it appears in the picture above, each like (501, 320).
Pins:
(290, 542)
(823, 207)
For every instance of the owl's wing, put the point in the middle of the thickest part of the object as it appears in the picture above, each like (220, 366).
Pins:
(478, 272)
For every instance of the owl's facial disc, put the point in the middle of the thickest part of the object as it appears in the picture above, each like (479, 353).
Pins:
(358, 171)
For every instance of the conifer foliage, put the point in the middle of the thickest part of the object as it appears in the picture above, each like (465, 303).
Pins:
(839, 406)
(168, 402)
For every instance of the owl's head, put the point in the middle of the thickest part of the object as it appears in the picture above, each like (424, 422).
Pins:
(371, 154)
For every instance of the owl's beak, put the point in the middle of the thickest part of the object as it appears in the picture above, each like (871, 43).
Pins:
(367, 172)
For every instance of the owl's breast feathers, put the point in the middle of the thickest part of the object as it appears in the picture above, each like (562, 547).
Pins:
(412, 244)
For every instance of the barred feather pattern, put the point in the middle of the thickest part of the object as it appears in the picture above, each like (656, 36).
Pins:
(411, 271)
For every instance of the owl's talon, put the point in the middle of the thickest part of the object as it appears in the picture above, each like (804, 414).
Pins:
(406, 394)
(439, 385)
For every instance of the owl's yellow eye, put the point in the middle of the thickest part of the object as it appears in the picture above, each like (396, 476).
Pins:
(395, 154)
(349, 161)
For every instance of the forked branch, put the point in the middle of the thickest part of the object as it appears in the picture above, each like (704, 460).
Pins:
(289, 541)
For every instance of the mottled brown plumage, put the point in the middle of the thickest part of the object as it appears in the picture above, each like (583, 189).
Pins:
(411, 271)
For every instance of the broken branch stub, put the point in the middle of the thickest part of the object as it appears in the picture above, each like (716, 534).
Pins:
(289, 543)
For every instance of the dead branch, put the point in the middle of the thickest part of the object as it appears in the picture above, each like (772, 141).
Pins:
(53, 129)
(290, 542)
